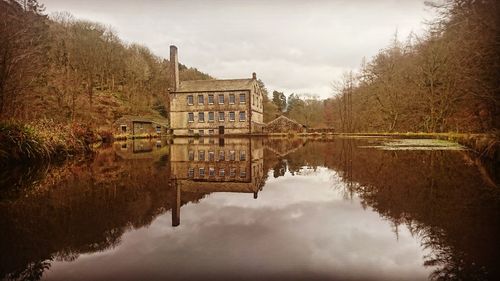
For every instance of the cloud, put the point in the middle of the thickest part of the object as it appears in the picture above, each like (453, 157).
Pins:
(295, 46)
(299, 227)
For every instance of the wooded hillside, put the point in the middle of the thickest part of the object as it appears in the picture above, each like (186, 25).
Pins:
(445, 80)
(67, 69)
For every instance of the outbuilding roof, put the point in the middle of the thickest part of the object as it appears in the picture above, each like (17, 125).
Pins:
(145, 119)
(216, 85)
(285, 119)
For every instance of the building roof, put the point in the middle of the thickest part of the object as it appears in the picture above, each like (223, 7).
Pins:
(284, 118)
(216, 85)
(146, 119)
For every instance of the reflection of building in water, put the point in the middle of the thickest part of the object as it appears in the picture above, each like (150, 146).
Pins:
(216, 165)
(142, 149)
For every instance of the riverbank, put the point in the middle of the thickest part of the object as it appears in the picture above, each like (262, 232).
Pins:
(485, 145)
(43, 140)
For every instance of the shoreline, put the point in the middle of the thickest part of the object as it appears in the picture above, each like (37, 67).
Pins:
(28, 143)
(45, 140)
(486, 145)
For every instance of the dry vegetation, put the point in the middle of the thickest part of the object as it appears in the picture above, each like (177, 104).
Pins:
(77, 71)
(71, 72)
(43, 139)
(446, 80)
(68, 69)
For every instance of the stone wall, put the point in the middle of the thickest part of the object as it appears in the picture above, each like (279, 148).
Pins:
(283, 124)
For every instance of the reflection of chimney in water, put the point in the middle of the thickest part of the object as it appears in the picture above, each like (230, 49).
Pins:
(255, 194)
(176, 206)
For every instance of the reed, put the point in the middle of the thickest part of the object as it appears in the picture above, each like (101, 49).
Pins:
(42, 140)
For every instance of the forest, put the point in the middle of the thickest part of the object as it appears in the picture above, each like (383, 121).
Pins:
(444, 81)
(71, 70)
(67, 69)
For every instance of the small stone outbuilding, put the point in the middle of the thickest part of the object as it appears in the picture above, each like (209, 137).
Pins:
(140, 125)
(284, 124)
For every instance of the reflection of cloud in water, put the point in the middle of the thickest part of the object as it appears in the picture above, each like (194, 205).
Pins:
(299, 227)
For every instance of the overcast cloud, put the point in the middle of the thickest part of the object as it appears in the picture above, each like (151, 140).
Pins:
(294, 46)
(299, 228)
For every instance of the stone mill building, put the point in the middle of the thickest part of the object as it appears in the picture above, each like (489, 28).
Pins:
(214, 107)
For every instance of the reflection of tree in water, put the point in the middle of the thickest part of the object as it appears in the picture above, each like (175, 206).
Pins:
(14, 181)
(33, 271)
(82, 207)
(450, 263)
(86, 207)
(438, 195)
(279, 169)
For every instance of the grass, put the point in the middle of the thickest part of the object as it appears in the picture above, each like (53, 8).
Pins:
(487, 145)
(122, 137)
(416, 144)
(42, 140)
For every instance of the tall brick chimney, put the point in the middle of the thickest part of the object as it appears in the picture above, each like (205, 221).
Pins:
(174, 68)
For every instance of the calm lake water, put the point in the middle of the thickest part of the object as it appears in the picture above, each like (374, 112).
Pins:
(253, 209)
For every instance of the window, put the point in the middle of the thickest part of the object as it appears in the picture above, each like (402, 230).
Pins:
(191, 172)
(202, 172)
(210, 99)
(243, 155)
(190, 100)
(190, 117)
(221, 99)
(124, 128)
(201, 132)
(232, 155)
(243, 173)
(232, 172)
(231, 116)
(191, 155)
(221, 116)
(201, 155)
(242, 98)
(211, 172)
(222, 172)
(211, 116)
(201, 99)
(201, 116)
(211, 132)
(211, 156)
(243, 116)
(190, 132)
(221, 155)
(231, 99)
(158, 129)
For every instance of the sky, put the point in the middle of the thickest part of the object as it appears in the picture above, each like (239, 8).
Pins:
(294, 46)
(299, 228)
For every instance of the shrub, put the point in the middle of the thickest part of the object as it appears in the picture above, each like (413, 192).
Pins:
(43, 139)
